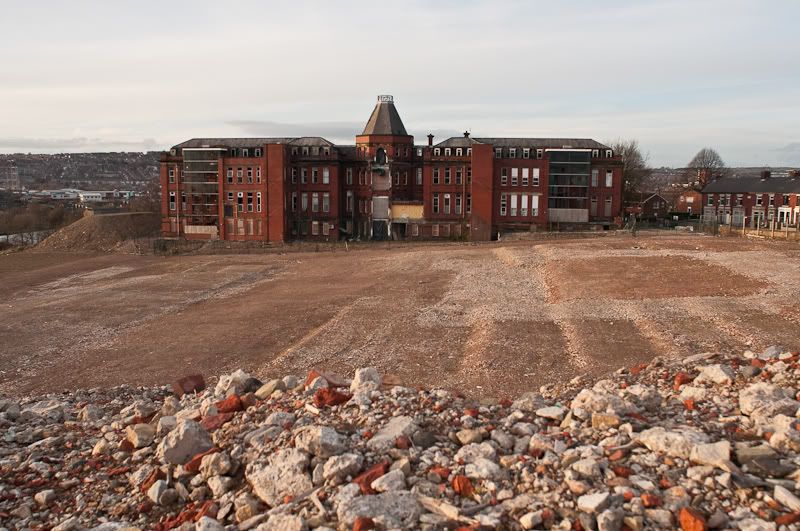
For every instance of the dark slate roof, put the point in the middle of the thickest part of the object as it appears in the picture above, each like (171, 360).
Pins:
(384, 120)
(311, 141)
(556, 143)
(456, 141)
(231, 142)
(746, 185)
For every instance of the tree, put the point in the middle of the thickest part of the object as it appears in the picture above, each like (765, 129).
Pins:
(634, 165)
(706, 166)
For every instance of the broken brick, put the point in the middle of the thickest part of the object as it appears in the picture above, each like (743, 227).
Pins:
(189, 384)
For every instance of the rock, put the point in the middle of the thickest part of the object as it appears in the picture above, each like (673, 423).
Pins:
(717, 374)
(391, 481)
(386, 437)
(284, 475)
(482, 468)
(219, 485)
(593, 503)
(140, 435)
(193, 383)
(528, 402)
(208, 524)
(247, 506)
(45, 497)
(762, 401)
(233, 383)
(531, 520)
(603, 421)
(101, 447)
(290, 381)
(469, 436)
(673, 443)
(551, 412)
(266, 390)
(283, 522)
(586, 467)
(165, 425)
(470, 452)
(184, 442)
(599, 402)
(156, 490)
(321, 441)
(90, 413)
(690, 519)
(786, 498)
(713, 454)
(661, 517)
(366, 379)
(216, 464)
(690, 392)
(771, 352)
(50, 410)
(339, 467)
(610, 519)
(70, 524)
(756, 524)
(391, 510)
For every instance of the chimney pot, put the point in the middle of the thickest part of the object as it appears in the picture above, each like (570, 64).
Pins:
(430, 139)
(466, 134)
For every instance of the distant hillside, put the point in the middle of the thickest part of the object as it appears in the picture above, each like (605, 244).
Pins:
(88, 171)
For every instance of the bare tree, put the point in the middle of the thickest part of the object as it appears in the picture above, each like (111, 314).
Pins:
(634, 165)
(706, 166)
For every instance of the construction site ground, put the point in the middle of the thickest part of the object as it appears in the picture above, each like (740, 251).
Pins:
(489, 319)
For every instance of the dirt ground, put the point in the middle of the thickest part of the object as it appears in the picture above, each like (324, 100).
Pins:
(490, 320)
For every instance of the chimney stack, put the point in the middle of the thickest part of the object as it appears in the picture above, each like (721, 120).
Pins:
(430, 139)
(765, 174)
(466, 134)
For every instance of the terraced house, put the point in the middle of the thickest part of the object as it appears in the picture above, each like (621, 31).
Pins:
(385, 186)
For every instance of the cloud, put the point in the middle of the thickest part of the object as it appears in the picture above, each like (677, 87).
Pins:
(77, 143)
(329, 130)
(792, 147)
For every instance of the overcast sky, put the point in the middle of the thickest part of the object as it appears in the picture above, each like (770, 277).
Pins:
(140, 75)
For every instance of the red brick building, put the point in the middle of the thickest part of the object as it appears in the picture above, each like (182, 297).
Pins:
(385, 186)
(753, 201)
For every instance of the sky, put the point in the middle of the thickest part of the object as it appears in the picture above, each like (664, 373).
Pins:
(141, 75)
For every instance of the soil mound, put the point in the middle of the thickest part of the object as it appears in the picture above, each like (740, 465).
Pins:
(105, 233)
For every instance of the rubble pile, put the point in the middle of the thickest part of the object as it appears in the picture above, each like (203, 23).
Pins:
(710, 441)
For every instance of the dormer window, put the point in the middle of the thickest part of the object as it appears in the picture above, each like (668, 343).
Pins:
(469, 152)
(294, 151)
(595, 153)
(609, 153)
(446, 152)
(326, 151)
(526, 153)
(539, 153)
(233, 152)
(498, 153)
(419, 152)
(437, 152)
(258, 152)
(512, 153)
(305, 150)
(459, 152)
(245, 152)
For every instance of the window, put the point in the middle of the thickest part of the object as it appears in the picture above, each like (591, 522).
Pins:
(447, 175)
(435, 175)
(434, 230)
(249, 175)
(514, 176)
(607, 212)
(435, 203)
(304, 202)
(258, 152)
(258, 201)
(503, 204)
(172, 200)
(539, 153)
(513, 204)
(609, 154)
(469, 174)
(183, 201)
(534, 205)
(304, 175)
(609, 178)
(360, 176)
(405, 152)
(771, 199)
(245, 152)
(419, 176)
(595, 176)
(239, 175)
(722, 200)
(326, 175)
(294, 201)
(171, 175)
(315, 202)
(326, 151)
(294, 151)
(349, 175)
(459, 152)
(258, 174)
(512, 153)
(469, 151)
(446, 203)
(446, 152)
(326, 228)
(459, 172)
(405, 178)
(523, 208)
(415, 229)
(230, 175)
(711, 200)
(315, 228)
(785, 199)
(230, 198)
(458, 203)
(326, 202)
(503, 176)
(349, 201)
(397, 178)
(595, 153)
(469, 203)
(240, 201)
(526, 153)
(436, 152)
(498, 153)
(419, 152)
(314, 175)
(305, 150)
(593, 207)
(294, 175)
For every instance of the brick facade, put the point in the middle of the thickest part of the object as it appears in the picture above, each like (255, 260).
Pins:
(385, 186)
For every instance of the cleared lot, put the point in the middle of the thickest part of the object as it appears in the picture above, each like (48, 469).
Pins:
(489, 320)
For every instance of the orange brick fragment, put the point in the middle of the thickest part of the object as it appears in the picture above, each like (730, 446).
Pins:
(462, 485)
(691, 519)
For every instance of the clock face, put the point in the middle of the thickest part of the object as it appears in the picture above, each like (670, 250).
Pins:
(385, 98)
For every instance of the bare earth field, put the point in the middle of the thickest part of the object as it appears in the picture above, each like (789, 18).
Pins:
(490, 320)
